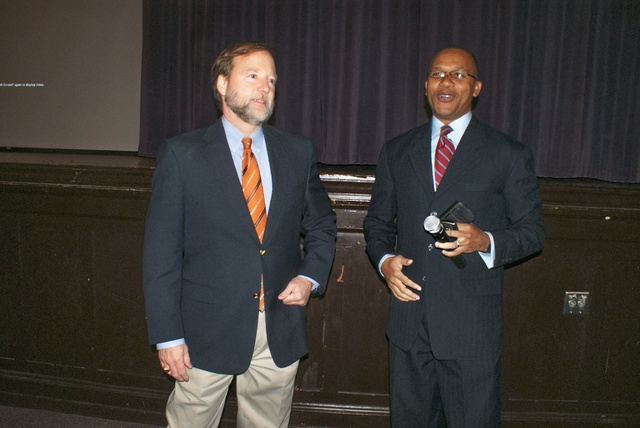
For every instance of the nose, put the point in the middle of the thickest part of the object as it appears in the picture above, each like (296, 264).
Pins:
(265, 86)
(447, 80)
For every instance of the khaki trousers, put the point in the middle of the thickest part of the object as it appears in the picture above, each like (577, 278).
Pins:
(264, 392)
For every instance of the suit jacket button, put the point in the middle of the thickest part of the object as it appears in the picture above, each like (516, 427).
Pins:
(262, 252)
(256, 295)
(430, 248)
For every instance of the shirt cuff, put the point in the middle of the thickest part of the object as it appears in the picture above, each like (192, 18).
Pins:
(170, 344)
(490, 256)
(385, 257)
(314, 284)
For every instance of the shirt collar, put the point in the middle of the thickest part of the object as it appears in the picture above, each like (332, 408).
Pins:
(459, 126)
(234, 137)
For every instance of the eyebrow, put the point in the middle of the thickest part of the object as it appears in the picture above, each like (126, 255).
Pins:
(255, 70)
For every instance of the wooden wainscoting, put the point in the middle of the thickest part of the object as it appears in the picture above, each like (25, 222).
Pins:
(72, 314)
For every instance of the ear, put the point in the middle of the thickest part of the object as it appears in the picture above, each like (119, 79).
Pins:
(477, 88)
(221, 84)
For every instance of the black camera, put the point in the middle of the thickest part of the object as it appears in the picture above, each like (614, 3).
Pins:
(438, 226)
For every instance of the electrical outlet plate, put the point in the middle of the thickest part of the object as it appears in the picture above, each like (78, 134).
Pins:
(576, 302)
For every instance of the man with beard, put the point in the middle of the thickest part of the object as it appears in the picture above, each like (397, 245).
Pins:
(226, 285)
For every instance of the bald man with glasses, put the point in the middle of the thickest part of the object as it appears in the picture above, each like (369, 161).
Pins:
(445, 319)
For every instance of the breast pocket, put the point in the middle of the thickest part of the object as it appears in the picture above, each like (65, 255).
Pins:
(478, 187)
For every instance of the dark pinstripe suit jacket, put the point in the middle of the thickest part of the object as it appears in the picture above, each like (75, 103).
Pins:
(493, 175)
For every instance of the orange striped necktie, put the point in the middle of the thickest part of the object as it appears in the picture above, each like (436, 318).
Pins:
(254, 195)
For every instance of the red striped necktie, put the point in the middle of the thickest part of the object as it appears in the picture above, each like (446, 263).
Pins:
(444, 153)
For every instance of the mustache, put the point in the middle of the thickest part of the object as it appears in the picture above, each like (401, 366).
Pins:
(247, 112)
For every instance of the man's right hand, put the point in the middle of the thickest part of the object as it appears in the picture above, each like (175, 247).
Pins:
(399, 284)
(175, 361)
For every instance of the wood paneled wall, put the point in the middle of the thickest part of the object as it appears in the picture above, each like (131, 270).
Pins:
(73, 334)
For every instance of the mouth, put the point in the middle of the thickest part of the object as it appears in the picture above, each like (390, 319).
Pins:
(445, 97)
(261, 103)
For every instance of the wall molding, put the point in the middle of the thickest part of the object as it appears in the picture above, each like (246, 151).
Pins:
(71, 228)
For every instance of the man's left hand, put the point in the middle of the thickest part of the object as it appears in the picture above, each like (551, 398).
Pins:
(470, 239)
(297, 292)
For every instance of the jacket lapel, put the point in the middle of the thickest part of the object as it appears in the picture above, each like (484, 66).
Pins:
(420, 154)
(223, 173)
(466, 156)
(279, 160)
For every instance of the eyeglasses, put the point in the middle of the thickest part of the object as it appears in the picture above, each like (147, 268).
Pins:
(455, 75)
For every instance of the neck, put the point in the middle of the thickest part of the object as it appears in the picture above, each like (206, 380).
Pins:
(242, 126)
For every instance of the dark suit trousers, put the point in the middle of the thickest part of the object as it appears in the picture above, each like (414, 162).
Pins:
(427, 392)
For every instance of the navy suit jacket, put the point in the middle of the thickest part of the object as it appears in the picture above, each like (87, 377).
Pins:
(493, 175)
(202, 257)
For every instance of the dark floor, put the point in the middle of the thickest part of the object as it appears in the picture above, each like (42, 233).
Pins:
(15, 417)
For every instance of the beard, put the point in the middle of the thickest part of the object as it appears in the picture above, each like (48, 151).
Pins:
(246, 112)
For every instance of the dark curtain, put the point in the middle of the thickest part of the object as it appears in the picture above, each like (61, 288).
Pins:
(560, 76)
